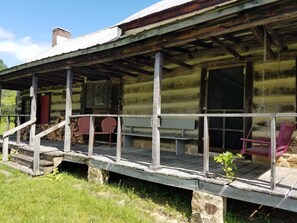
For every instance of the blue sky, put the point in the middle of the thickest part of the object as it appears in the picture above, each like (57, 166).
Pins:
(26, 25)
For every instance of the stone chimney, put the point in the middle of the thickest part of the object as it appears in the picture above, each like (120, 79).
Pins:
(60, 35)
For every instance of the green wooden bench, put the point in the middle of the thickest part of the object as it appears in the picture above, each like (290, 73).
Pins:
(181, 125)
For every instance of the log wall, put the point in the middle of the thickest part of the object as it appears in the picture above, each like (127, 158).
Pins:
(279, 91)
(180, 94)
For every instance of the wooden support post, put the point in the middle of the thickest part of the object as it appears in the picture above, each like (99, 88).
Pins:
(273, 153)
(68, 111)
(33, 95)
(91, 136)
(5, 149)
(205, 148)
(36, 158)
(119, 140)
(18, 122)
(156, 111)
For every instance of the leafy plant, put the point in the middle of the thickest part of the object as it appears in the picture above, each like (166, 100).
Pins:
(227, 160)
(54, 176)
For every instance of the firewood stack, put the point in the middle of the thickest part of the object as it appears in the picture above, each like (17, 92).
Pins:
(57, 135)
(76, 137)
(25, 133)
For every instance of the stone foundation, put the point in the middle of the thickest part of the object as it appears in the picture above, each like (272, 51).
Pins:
(207, 208)
(98, 176)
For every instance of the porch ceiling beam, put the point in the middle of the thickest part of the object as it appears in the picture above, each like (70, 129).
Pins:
(119, 64)
(180, 50)
(260, 37)
(201, 43)
(226, 47)
(118, 73)
(231, 38)
(145, 63)
(133, 67)
(90, 72)
(237, 24)
(170, 58)
(274, 37)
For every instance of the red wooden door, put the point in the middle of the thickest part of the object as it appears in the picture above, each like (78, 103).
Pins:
(44, 109)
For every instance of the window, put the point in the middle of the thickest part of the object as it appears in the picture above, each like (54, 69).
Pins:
(98, 94)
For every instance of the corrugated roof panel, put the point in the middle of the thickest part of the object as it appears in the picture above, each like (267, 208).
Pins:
(82, 42)
(160, 6)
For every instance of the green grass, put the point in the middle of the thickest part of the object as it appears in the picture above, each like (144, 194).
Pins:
(71, 199)
(64, 197)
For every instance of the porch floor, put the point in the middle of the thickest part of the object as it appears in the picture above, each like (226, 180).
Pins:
(252, 183)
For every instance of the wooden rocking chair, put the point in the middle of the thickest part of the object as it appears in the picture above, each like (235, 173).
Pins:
(262, 146)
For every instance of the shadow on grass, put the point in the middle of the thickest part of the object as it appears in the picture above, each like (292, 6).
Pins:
(176, 198)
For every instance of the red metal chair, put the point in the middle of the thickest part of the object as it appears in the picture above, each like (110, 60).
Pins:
(108, 126)
(262, 146)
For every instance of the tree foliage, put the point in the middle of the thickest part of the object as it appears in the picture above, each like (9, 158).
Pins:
(8, 100)
(2, 65)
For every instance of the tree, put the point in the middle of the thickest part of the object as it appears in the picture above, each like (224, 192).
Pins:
(8, 97)
(2, 65)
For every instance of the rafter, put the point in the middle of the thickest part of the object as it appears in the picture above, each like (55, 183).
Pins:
(112, 70)
(226, 47)
(119, 64)
(201, 43)
(231, 38)
(274, 37)
(170, 58)
(259, 36)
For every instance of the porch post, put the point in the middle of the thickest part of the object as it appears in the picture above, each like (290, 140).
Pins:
(33, 95)
(205, 148)
(273, 153)
(156, 111)
(68, 111)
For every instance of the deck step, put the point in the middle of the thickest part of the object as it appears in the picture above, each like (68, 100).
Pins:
(22, 168)
(28, 160)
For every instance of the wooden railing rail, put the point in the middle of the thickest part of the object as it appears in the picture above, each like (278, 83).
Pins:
(10, 132)
(271, 116)
(17, 122)
(37, 140)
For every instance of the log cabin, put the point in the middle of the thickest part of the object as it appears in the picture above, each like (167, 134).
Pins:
(185, 79)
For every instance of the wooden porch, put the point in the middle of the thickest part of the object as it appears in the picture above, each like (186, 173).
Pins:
(252, 183)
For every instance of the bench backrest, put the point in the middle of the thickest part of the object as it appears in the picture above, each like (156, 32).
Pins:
(166, 123)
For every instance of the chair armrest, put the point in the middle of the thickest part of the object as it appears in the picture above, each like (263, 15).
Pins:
(255, 141)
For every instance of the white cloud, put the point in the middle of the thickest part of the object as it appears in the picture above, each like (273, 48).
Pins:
(4, 34)
(23, 49)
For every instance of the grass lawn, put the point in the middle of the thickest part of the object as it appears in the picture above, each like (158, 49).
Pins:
(66, 198)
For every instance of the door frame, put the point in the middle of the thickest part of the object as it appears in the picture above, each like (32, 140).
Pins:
(248, 96)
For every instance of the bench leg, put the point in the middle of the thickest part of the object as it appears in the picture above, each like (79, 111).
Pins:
(128, 142)
(179, 147)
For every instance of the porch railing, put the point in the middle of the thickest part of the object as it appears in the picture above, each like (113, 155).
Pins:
(36, 158)
(11, 132)
(206, 156)
(17, 123)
